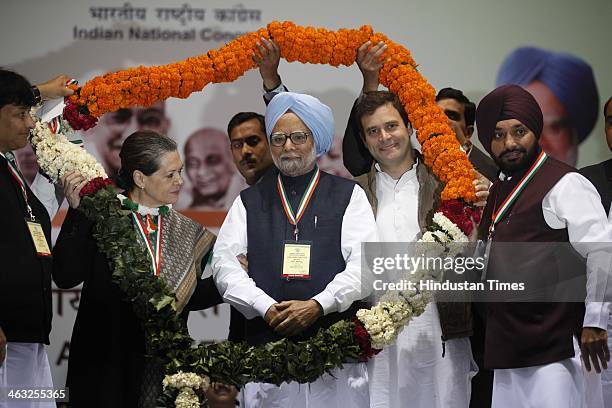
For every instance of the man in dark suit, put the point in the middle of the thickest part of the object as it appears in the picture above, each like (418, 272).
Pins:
(25, 281)
(601, 174)
(461, 112)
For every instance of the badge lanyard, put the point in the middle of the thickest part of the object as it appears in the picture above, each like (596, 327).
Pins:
(153, 248)
(22, 185)
(496, 216)
(34, 227)
(294, 218)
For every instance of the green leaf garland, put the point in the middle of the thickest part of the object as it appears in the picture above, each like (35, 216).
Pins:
(167, 337)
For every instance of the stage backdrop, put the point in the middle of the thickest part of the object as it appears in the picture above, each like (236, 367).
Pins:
(458, 44)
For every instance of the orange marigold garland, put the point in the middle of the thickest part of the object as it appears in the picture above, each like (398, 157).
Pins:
(147, 85)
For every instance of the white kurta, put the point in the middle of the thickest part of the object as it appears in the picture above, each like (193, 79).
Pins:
(348, 286)
(49, 194)
(26, 367)
(344, 388)
(413, 373)
(573, 203)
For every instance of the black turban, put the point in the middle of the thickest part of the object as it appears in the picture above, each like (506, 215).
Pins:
(507, 102)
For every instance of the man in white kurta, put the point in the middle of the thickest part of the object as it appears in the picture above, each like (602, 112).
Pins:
(299, 128)
(415, 365)
(580, 388)
(420, 370)
(509, 126)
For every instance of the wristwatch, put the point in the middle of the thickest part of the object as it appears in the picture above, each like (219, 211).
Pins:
(36, 93)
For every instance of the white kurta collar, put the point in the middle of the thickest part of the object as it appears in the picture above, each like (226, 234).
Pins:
(404, 178)
(397, 212)
(504, 177)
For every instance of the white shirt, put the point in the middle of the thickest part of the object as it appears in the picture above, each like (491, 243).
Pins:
(574, 203)
(49, 194)
(417, 352)
(239, 290)
(397, 213)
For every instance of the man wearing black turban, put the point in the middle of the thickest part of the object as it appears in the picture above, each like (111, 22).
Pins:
(530, 346)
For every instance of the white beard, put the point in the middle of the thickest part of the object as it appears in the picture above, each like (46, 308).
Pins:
(295, 167)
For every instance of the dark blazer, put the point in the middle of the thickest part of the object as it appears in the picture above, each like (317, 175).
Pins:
(25, 278)
(355, 155)
(601, 177)
(107, 350)
(483, 163)
(530, 333)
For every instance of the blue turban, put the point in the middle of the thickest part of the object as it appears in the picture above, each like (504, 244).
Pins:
(316, 115)
(568, 77)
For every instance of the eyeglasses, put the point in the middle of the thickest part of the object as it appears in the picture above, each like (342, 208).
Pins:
(252, 141)
(279, 139)
(516, 132)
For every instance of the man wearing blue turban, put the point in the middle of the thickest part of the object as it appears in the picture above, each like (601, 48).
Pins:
(564, 87)
(302, 230)
(317, 116)
(402, 192)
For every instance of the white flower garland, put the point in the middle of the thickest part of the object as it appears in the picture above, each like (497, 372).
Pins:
(57, 156)
(385, 321)
(187, 398)
(186, 383)
(449, 227)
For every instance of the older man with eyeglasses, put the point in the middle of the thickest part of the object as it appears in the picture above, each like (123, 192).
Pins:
(302, 230)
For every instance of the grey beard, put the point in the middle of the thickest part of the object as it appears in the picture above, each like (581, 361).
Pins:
(295, 167)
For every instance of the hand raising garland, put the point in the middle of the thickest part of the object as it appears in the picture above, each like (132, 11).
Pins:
(145, 85)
